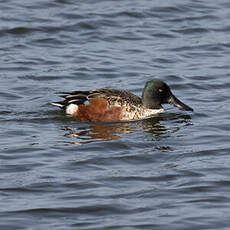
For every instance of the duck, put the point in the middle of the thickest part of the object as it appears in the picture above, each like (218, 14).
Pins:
(112, 105)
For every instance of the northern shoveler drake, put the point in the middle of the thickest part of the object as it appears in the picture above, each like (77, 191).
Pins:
(108, 105)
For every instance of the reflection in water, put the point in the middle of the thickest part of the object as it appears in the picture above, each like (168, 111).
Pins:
(100, 132)
(114, 131)
(156, 128)
(173, 123)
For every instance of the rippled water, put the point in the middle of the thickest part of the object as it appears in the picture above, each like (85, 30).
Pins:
(168, 172)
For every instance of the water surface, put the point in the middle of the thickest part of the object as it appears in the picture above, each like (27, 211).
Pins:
(168, 172)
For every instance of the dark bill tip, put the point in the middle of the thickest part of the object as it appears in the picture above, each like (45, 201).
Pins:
(177, 103)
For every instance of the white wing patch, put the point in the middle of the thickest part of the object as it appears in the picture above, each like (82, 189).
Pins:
(71, 109)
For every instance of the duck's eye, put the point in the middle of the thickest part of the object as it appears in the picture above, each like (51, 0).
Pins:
(160, 90)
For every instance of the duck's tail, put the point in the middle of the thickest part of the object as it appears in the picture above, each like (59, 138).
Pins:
(59, 104)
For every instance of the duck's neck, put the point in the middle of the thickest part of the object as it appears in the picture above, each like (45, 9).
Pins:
(150, 102)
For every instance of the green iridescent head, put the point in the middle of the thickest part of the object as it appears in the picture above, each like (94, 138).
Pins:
(157, 92)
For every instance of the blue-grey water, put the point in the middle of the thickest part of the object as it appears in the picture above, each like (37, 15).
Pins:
(170, 172)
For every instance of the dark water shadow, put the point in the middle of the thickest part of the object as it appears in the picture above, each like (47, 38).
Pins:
(85, 133)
